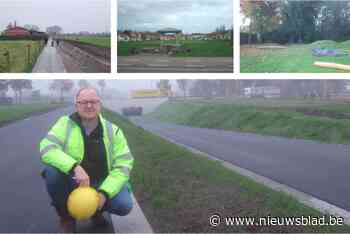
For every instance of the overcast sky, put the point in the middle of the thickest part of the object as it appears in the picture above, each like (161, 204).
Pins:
(71, 15)
(188, 15)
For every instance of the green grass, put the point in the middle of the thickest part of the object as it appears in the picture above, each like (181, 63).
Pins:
(284, 104)
(94, 40)
(179, 190)
(125, 47)
(296, 58)
(18, 55)
(213, 48)
(12, 113)
(279, 120)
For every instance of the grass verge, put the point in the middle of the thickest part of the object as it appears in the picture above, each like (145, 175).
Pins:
(18, 54)
(214, 48)
(179, 190)
(296, 58)
(283, 121)
(13, 113)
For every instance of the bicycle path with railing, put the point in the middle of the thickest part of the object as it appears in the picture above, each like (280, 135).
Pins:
(49, 61)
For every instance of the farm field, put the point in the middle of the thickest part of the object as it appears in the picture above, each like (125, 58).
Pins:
(94, 40)
(212, 48)
(18, 52)
(295, 58)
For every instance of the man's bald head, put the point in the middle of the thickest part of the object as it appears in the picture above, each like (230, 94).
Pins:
(87, 89)
(88, 103)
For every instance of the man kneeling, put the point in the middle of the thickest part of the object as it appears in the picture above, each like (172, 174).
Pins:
(84, 149)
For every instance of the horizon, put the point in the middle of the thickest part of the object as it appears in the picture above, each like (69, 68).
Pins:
(71, 16)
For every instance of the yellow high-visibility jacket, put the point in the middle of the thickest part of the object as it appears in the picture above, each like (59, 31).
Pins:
(63, 148)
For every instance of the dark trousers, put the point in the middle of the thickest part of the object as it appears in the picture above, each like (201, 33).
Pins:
(60, 185)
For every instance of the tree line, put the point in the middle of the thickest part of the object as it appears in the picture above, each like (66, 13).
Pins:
(234, 88)
(290, 21)
(17, 86)
(59, 86)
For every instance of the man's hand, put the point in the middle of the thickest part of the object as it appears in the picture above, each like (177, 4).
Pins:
(101, 201)
(81, 177)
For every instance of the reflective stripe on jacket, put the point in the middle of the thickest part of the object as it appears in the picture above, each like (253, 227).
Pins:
(63, 147)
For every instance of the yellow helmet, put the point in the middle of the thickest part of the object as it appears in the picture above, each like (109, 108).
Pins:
(82, 203)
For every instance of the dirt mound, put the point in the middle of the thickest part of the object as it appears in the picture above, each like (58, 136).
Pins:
(324, 44)
(330, 48)
(345, 44)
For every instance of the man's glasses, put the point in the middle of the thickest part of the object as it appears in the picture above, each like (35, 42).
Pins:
(85, 103)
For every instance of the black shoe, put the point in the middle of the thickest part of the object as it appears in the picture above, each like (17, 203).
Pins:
(99, 220)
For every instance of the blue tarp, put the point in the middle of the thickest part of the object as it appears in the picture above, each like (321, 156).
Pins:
(328, 52)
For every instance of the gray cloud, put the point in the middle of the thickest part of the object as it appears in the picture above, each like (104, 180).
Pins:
(71, 15)
(188, 15)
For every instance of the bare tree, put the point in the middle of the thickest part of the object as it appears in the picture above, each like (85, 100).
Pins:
(183, 86)
(32, 27)
(83, 84)
(54, 30)
(204, 88)
(62, 86)
(18, 86)
(102, 84)
(4, 86)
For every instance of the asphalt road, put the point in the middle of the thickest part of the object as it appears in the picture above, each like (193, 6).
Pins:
(159, 63)
(321, 170)
(25, 204)
(49, 61)
(24, 201)
(148, 104)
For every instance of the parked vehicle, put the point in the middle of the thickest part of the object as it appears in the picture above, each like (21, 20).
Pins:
(132, 111)
(262, 91)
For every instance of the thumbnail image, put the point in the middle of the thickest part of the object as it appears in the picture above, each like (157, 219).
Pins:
(295, 36)
(175, 36)
(41, 36)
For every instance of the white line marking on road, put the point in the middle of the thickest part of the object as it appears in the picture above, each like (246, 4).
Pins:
(162, 60)
(125, 64)
(196, 61)
(190, 65)
(158, 65)
(133, 60)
